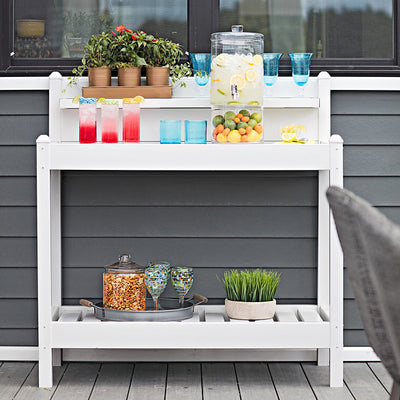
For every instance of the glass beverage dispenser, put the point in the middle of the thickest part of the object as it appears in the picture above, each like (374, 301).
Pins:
(237, 74)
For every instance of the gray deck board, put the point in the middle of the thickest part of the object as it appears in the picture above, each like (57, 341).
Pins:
(194, 381)
(30, 389)
(12, 376)
(383, 376)
(77, 382)
(184, 381)
(148, 382)
(290, 381)
(255, 381)
(113, 382)
(219, 381)
(362, 382)
(318, 378)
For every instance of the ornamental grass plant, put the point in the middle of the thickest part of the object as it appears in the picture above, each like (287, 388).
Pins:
(250, 285)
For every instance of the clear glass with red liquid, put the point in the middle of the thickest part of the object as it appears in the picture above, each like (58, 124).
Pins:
(87, 120)
(130, 121)
(109, 121)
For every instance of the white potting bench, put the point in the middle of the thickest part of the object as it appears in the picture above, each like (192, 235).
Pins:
(318, 326)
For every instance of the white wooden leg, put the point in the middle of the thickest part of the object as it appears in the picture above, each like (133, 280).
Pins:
(336, 274)
(44, 261)
(323, 357)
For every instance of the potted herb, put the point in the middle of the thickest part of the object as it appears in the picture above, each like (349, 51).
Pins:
(162, 57)
(97, 60)
(124, 49)
(250, 294)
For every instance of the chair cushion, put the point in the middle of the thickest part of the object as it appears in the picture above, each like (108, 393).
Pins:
(371, 247)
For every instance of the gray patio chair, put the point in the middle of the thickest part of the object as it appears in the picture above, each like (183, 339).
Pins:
(371, 247)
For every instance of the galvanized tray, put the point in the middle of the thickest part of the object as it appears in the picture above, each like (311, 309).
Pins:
(171, 310)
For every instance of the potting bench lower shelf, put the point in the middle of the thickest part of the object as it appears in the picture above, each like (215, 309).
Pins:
(317, 326)
(303, 326)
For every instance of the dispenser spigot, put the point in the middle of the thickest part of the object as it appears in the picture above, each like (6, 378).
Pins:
(234, 91)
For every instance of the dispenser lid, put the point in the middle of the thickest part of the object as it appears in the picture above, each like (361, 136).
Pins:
(125, 263)
(236, 35)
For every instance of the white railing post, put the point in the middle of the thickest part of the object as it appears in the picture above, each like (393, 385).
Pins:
(336, 272)
(44, 260)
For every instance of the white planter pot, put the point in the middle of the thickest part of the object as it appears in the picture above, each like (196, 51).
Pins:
(250, 310)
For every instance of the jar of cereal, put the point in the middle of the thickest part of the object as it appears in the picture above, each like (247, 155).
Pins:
(123, 285)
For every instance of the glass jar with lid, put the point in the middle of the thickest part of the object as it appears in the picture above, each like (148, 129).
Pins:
(237, 69)
(123, 285)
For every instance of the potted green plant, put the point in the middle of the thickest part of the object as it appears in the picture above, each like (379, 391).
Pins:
(124, 49)
(250, 294)
(97, 60)
(162, 57)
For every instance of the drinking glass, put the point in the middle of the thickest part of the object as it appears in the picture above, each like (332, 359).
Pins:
(109, 121)
(300, 69)
(271, 67)
(87, 120)
(170, 131)
(201, 67)
(130, 121)
(182, 281)
(156, 279)
(161, 264)
(196, 132)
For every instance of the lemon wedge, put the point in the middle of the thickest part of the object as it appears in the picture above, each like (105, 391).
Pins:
(101, 100)
(289, 137)
(75, 100)
(138, 99)
(257, 59)
(238, 80)
(251, 75)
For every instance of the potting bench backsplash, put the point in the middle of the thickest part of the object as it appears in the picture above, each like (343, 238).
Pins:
(295, 326)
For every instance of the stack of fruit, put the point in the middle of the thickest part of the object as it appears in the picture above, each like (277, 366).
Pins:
(237, 127)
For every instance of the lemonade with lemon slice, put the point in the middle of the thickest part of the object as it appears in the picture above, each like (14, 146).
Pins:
(243, 70)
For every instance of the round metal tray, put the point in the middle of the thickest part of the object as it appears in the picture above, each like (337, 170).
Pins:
(171, 310)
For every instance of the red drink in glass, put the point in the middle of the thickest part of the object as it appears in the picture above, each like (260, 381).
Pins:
(87, 120)
(131, 122)
(109, 122)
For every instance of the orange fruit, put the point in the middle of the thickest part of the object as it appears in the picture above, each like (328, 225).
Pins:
(244, 138)
(242, 131)
(226, 131)
(245, 119)
(258, 128)
(249, 129)
(220, 128)
(240, 116)
(236, 120)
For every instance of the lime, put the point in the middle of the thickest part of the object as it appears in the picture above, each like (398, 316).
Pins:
(253, 103)
(221, 92)
(257, 117)
(217, 120)
(229, 115)
(252, 123)
(241, 125)
(230, 123)
(234, 102)
(245, 113)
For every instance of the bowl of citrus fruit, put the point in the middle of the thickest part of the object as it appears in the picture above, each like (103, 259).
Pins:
(237, 126)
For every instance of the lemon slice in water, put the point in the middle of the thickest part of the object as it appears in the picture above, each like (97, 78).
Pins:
(238, 80)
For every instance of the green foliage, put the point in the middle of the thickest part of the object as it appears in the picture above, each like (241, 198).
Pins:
(250, 285)
(180, 71)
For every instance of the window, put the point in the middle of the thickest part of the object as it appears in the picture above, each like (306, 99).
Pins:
(359, 37)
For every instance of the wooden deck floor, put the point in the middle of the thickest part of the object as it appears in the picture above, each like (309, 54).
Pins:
(194, 381)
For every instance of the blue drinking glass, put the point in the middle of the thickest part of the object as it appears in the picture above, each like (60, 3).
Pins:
(300, 68)
(201, 67)
(196, 132)
(170, 131)
(271, 67)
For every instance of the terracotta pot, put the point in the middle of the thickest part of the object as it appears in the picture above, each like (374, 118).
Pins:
(129, 76)
(100, 76)
(157, 76)
(250, 310)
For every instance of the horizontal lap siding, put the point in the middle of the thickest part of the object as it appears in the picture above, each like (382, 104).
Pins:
(211, 221)
(369, 125)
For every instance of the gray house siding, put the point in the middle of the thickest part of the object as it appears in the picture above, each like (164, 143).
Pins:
(211, 221)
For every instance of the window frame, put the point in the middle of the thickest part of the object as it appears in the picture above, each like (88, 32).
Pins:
(203, 14)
